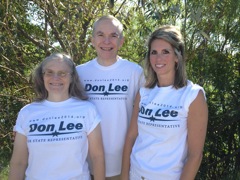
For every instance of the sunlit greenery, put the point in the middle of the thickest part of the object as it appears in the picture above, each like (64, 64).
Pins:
(30, 30)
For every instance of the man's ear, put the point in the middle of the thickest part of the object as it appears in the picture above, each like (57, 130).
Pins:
(121, 41)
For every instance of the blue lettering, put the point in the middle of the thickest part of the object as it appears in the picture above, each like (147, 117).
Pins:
(165, 113)
(89, 87)
(158, 113)
(145, 111)
(33, 127)
(70, 126)
(61, 126)
(174, 113)
(117, 88)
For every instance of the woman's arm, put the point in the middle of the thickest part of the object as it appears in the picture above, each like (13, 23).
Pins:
(130, 140)
(197, 128)
(19, 160)
(96, 153)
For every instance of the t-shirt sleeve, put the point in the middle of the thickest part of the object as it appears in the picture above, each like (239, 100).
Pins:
(19, 126)
(93, 118)
(192, 94)
(142, 79)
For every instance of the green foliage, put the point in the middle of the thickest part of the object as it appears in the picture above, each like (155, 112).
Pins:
(30, 30)
(4, 173)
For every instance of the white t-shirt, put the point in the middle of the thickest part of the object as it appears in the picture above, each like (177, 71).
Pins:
(112, 89)
(160, 150)
(57, 141)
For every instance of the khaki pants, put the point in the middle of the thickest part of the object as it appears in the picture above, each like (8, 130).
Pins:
(109, 178)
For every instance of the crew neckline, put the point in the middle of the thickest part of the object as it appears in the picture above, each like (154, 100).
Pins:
(113, 66)
(57, 104)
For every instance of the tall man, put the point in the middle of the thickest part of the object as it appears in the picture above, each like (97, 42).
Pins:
(111, 84)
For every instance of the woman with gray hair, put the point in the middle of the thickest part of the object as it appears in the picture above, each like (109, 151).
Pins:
(55, 132)
(167, 132)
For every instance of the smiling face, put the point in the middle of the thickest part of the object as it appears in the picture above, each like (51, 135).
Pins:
(163, 60)
(57, 79)
(107, 40)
